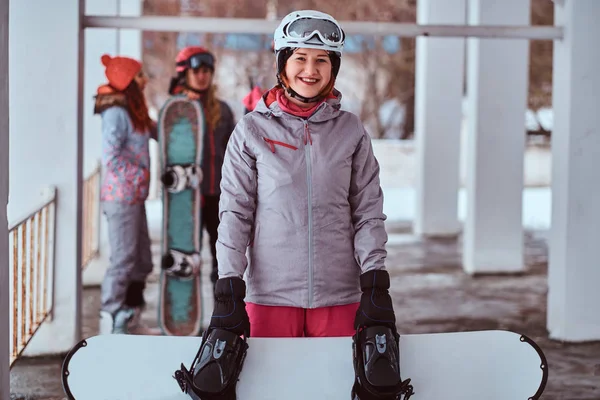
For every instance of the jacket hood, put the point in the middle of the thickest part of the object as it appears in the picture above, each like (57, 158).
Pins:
(107, 97)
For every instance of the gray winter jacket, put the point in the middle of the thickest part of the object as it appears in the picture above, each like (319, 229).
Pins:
(301, 198)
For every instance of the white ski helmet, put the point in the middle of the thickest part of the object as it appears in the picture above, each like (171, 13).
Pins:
(309, 29)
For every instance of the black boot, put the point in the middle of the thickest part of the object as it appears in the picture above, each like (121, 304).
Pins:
(135, 294)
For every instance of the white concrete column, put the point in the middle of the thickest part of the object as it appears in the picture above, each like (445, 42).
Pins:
(44, 145)
(130, 40)
(4, 278)
(97, 43)
(574, 266)
(438, 115)
(497, 99)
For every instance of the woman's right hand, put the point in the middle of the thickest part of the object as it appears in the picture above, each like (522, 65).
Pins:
(192, 96)
(376, 306)
(229, 312)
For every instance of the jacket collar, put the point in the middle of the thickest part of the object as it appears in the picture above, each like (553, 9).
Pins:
(107, 97)
(329, 109)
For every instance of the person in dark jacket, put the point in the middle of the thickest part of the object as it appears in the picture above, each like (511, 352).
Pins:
(195, 67)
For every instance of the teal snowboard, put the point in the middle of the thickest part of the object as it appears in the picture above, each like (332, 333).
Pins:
(180, 133)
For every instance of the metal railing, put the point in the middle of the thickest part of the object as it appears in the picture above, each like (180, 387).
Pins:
(91, 217)
(31, 273)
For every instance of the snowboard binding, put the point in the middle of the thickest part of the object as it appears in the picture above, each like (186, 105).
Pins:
(215, 369)
(180, 177)
(180, 264)
(377, 366)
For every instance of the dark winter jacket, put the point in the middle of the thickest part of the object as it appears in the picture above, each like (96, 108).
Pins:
(215, 143)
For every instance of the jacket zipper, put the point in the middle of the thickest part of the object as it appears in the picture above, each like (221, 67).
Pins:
(308, 144)
(272, 144)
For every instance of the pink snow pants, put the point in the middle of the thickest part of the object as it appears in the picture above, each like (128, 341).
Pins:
(276, 321)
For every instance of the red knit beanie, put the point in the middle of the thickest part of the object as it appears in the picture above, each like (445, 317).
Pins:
(120, 71)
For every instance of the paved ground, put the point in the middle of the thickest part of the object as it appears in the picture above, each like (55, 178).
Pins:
(432, 294)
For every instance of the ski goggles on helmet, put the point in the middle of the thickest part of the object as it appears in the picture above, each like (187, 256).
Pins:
(303, 29)
(198, 60)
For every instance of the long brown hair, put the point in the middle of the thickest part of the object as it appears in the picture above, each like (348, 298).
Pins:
(137, 108)
(212, 107)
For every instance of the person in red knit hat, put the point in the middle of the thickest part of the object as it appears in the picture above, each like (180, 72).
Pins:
(126, 130)
(195, 68)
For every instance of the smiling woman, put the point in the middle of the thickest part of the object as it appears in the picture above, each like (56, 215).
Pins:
(317, 263)
(300, 195)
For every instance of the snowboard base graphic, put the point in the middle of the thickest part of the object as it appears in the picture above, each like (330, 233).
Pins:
(490, 365)
(180, 132)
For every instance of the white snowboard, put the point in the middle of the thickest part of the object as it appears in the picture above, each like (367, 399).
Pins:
(491, 365)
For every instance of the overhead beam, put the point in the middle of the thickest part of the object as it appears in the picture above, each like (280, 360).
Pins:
(263, 26)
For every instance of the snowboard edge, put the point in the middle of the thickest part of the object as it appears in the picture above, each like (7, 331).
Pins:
(65, 368)
(543, 366)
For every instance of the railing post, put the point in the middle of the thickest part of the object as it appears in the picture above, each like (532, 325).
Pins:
(98, 216)
(52, 247)
(90, 237)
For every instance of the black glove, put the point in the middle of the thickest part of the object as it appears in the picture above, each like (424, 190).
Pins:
(229, 312)
(376, 307)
